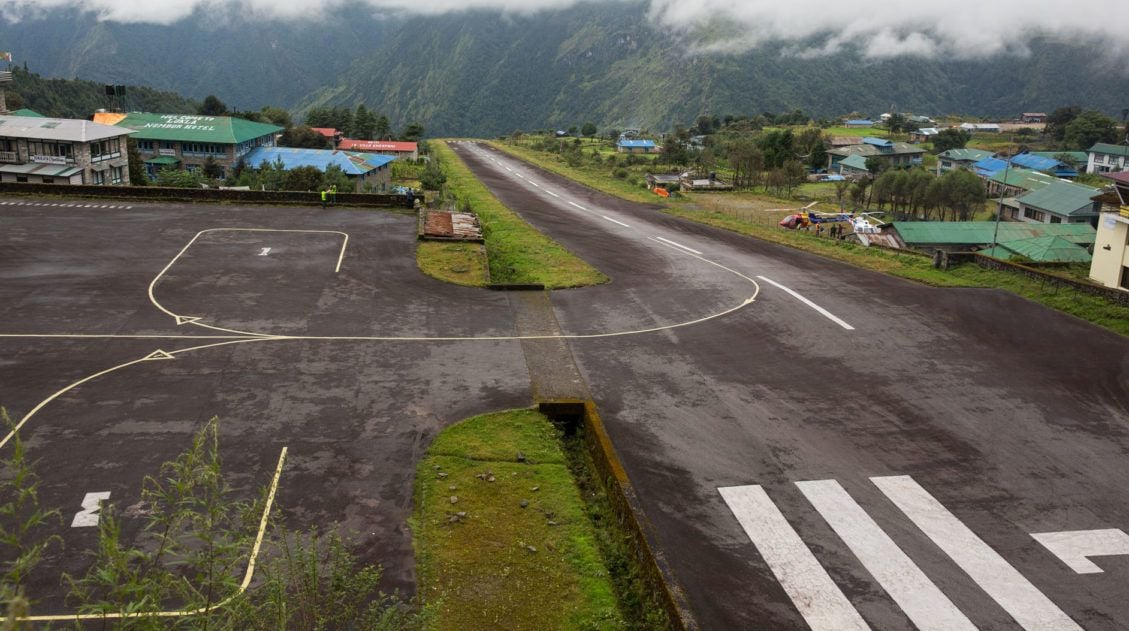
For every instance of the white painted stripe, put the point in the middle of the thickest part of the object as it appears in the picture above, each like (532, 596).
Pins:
(614, 221)
(924, 603)
(553, 194)
(821, 310)
(579, 206)
(678, 245)
(129, 207)
(815, 595)
(1075, 546)
(1029, 606)
(535, 183)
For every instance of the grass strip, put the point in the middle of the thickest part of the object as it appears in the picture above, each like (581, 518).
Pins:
(454, 262)
(596, 177)
(485, 561)
(518, 253)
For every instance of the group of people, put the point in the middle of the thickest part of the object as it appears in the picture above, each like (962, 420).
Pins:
(835, 231)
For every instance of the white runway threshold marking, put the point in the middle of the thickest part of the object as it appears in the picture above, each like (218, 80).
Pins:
(89, 515)
(919, 597)
(1029, 606)
(680, 246)
(1074, 547)
(827, 314)
(819, 600)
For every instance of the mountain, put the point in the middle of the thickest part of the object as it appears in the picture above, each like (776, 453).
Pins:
(75, 98)
(481, 73)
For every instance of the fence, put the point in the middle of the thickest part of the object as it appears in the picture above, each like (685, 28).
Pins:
(368, 200)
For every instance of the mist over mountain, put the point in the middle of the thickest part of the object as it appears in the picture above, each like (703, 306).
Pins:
(487, 72)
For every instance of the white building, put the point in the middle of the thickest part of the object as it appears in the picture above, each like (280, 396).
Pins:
(1105, 158)
(62, 151)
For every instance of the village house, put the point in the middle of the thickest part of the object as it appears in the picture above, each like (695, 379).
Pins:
(669, 181)
(853, 167)
(1060, 202)
(1033, 117)
(960, 159)
(896, 154)
(925, 134)
(1107, 158)
(189, 141)
(637, 146)
(62, 151)
(368, 172)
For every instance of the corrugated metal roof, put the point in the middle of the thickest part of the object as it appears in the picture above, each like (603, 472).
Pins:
(915, 233)
(1063, 198)
(1079, 157)
(1048, 249)
(26, 112)
(351, 162)
(861, 122)
(966, 154)
(1038, 163)
(1110, 150)
(878, 142)
(855, 162)
(637, 144)
(48, 170)
(377, 146)
(65, 129)
(897, 148)
(224, 130)
(1025, 179)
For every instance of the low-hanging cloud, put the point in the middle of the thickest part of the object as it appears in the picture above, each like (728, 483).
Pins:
(807, 28)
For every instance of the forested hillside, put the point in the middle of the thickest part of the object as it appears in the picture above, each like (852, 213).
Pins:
(486, 73)
(75, 98)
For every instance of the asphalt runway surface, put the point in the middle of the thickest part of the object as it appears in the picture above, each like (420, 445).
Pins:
(813, 445)
(850, 450)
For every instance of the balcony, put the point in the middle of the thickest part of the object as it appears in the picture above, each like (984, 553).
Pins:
(9, 156)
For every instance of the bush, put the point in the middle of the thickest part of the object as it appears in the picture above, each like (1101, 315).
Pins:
(620, 173)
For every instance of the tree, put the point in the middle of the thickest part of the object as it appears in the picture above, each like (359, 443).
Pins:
(364, 123)
(1088, 128)
(212, 106)
(412, 132)
(306, 137)
(211, 170)
(304, 178)
(276, 115)
(1059, 119)
(137, 176)
(895, 123)
(177, 178)
(589, 129)
(382, 128)
(951, 138)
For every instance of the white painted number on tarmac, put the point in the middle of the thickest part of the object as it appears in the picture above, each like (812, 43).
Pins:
(89, 515)
(264, 252)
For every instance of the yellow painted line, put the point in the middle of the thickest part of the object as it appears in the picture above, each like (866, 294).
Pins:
(251, 560)
(182, 319)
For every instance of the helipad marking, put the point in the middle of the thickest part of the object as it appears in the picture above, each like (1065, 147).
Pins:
(264, 251)
(827, 314)
(89, 515)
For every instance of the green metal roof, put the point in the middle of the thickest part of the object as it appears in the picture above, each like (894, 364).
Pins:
(190, 128)
(1025, 179)
(1049, 249)
(162, 160)
(855, 162)
(1111, 150)
(1063, 198)
(916, 233)
(26, 112)
(893, 149)
(966, 155)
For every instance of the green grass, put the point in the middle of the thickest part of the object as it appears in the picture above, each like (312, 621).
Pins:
(860, 132)
(518, 253)
(457, 263)
(502, 566)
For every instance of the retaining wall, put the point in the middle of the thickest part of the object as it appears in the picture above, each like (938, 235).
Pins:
(212, 195)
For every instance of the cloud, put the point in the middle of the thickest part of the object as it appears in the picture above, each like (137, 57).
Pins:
(963, 29)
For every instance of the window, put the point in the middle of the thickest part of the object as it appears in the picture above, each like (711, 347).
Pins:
(146, 145)
(48, 180)
(1031, 213)
(21, 178)
(98, 178)
(105, 149)
(116, 175)
(1056, 219)
(1125, 277)
(51, 152)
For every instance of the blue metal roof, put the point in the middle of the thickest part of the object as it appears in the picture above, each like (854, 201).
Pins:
(350, 162)
(989, 166)
(877, 142)
(637, 144)
(1036, 163)
(861, 122)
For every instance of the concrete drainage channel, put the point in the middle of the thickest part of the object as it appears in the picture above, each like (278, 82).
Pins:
(562, 395)
(580, 418)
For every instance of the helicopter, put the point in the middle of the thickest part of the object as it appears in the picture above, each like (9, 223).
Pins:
(805, 217)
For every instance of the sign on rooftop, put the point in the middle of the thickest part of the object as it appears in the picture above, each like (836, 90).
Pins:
(183, 121)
